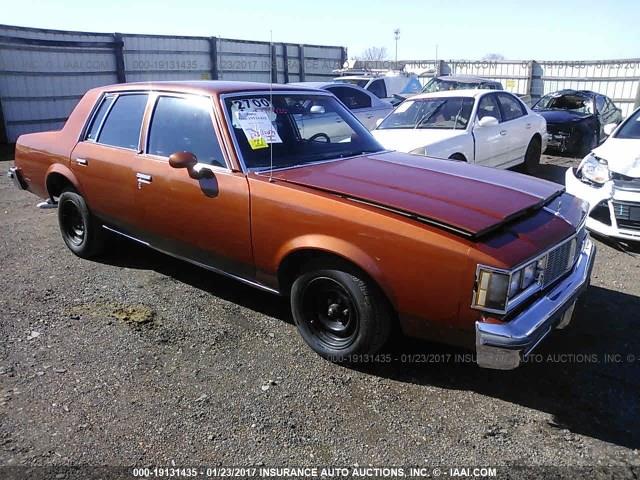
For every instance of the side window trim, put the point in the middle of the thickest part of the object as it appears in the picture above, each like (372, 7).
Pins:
(494, 97)
(89, 124)
(147, 122)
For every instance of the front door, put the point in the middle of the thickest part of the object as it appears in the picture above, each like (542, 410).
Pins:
(490, 145)
(204, 218)
(102, 160)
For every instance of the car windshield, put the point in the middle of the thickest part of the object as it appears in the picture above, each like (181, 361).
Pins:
(574, 103)
(361, 82)
(631, 127)
(441, 85)
(447, 113)
(295, 129)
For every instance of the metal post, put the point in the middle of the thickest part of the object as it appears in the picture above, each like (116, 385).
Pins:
(637, 104)
(274, 64)
(118, 47)
(213, 57)
(301, 60)
(285, 60)
(3, 132)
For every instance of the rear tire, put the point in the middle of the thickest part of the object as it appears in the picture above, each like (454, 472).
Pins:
(532, 156)
(80, 231)
(340, 313)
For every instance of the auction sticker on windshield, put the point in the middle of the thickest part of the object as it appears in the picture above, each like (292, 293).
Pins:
(258, 128)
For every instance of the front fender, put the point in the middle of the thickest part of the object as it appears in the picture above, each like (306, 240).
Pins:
(341, 248)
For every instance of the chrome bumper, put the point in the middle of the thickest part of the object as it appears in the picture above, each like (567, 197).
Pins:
(505, 346)
(15, 174)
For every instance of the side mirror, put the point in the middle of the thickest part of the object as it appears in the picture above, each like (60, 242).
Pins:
(609, 128)
(378, 122)
(183, 160)
(317, 109)
(488, 122)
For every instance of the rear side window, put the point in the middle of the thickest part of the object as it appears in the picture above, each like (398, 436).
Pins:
(488, 107)
(122, 126)
(184, 125)
(352, 97)
(98, 118)
(378, 88)
(511, 107)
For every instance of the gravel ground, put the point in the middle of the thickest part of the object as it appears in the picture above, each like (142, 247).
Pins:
(139, 359)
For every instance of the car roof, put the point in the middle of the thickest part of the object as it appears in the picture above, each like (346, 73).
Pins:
(466, 78)
(317, 84)
(203, 87)
(570, 91)
(469, 92)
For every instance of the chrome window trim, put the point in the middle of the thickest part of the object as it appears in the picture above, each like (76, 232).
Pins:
(94, 112)
(117, 95)
(535, 287)
(154, 96)
(227, 119)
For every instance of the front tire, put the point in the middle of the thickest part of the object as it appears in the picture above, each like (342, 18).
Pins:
(340, 313)
(81, 233)
(532, 156)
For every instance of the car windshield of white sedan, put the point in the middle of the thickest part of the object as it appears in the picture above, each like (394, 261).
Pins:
(288, 130)
(575, 103)
(631, 128)
(440, 85)
(448, 113)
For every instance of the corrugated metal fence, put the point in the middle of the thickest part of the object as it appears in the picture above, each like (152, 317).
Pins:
(618, 79)
(43, 73)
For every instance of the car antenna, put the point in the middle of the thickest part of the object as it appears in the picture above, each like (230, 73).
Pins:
(271, 102)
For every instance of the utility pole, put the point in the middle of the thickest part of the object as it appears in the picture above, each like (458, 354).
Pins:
(396, 35)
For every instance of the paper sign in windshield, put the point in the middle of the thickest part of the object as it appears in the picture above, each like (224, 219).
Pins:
(258, 128)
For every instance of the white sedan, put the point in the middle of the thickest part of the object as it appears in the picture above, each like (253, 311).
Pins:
(609, 179)
(486, 127)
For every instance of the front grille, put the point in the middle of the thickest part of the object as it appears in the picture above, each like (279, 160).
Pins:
(562, 258)
(627, 215)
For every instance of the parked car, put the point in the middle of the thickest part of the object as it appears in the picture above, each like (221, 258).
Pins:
(452, 82)
(576, 118)
(219, 174)
(460, 82)
(384, 85)
(364, 105)
(484, 127)
(609, 179)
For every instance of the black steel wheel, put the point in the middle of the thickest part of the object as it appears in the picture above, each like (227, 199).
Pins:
(340, 313)
(82, 234)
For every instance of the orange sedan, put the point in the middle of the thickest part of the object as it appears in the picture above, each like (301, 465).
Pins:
(282, 188)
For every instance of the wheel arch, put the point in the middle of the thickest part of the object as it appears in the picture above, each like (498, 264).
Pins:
(297, 253)
(58, 178)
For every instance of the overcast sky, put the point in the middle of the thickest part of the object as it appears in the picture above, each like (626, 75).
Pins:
(538, 29)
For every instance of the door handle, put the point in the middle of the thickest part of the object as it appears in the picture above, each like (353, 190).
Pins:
(528, 126)
(370, 115)
(143, 178)
(82, 161)
(503, 132)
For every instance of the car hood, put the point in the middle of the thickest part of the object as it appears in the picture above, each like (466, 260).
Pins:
(466, 199)
(622, 155)
(562, 116)
(408, 139)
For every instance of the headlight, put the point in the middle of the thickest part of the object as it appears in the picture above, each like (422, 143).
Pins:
(595, 169)
(492, 290)
(495, 289)
(419, 151)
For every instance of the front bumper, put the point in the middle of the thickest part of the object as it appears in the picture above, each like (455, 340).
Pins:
(504, 346)
(605, 216)
(15, 174)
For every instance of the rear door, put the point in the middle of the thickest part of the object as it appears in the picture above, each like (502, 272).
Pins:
(518, 128)
(204, 219)
(102, 159)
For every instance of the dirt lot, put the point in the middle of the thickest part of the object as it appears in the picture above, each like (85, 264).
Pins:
(139, 359)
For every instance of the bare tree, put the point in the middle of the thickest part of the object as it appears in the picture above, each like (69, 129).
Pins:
(374, 54)
(493, 57)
